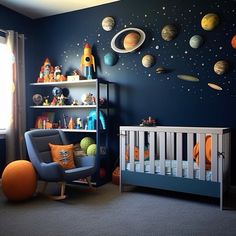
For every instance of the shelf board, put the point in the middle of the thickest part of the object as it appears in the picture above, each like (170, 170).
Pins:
(66, 83)
(79, 130)
(65, 106)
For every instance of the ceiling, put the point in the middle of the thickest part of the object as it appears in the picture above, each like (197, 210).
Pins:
(42, 8)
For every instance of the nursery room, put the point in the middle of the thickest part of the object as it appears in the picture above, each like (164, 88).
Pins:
(118, 117)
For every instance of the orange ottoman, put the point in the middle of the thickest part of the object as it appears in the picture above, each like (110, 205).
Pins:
(19, 180)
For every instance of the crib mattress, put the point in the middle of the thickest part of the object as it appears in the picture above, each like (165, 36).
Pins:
(170, 168)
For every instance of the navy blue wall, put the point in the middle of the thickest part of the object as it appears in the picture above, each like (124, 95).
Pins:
(140, 91)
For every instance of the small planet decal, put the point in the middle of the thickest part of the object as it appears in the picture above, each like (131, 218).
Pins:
(210, 21)
(134, 38)
(214, 86)
(110, 59)
(221, 67)
(188, 78)
(161, 70)
(108, 23)
(196, 41)
(233, 42)
(169, 32)
(148, 61)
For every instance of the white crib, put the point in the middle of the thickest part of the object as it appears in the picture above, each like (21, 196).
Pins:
(162, 157)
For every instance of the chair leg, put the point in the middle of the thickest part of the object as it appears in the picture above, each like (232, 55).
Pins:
(89, 182)
(44, 187)
(62, 195)
(62, 191)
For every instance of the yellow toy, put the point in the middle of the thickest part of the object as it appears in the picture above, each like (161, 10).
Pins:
(87, 63)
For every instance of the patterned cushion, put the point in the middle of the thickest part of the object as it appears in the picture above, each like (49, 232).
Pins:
(63, 154)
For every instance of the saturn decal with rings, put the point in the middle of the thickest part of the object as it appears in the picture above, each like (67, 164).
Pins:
(128, 40)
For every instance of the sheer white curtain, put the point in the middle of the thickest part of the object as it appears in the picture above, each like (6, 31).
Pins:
(15, 148)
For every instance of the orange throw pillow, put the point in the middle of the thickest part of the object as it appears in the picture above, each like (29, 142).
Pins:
(207, 152)
(63, 154)
(136, 154)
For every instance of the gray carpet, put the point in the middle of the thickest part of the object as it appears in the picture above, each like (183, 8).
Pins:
(137, 211)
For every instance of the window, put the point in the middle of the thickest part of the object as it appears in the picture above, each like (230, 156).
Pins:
(5, 84)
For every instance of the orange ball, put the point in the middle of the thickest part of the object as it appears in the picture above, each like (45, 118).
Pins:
(19, 180)
(233, 42)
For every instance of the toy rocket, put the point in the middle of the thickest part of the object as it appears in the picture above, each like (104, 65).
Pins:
(87, 63)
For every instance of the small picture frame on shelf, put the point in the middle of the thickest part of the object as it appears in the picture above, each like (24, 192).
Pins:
(73, 78)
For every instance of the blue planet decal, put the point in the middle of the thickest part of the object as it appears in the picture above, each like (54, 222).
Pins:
(110, 59)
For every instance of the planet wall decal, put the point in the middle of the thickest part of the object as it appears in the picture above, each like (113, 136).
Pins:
(110, 59)
(210, 21)
(214, 86)
(221, 67)
(161, 70)
(188, 78)
(148, 61)
(131, 40)
(128, 40)
(37, 99)
(169, 32)
(233, 42)
(196, 41)
(108, 23)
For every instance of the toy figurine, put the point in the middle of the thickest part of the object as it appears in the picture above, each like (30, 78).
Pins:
(148, 122)
(71, 124)
(57, 73)
(75, 102)
(92, 120)
(46, 102)
(78, 123)
(54, 101)
(87, 63)
(87, 99)
(45, 71)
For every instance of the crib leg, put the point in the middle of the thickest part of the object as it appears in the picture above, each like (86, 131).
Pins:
(121, 188)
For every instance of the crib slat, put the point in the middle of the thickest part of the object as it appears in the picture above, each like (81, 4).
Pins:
(214, 157)
(141, 150)
(202, 156)
(179, 153)
(152, 152)
(170, 146)
(157, 145)
(190, 155)
(122, 149)
(162, 153)
(131, 149)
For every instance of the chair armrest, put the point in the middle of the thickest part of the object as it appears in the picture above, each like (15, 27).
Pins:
(51, 171)
(85, 161)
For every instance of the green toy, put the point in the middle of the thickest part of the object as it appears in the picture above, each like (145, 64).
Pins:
(91, 151)
(85, 143)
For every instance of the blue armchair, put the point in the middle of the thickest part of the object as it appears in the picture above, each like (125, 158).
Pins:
(40, 155)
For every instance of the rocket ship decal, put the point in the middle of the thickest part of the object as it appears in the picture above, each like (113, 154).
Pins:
(87, 63)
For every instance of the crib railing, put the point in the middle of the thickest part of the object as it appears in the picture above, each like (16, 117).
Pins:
(175, 143)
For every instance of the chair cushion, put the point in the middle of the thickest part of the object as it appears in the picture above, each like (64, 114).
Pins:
(63, 154)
